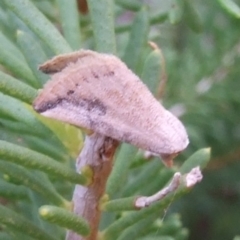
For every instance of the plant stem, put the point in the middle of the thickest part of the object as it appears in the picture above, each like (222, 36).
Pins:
(97, 153)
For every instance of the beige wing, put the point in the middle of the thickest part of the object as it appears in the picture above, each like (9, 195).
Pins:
(98, 92)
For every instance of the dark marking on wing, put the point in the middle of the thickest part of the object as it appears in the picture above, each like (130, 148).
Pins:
(90, 105)
(70, 92)
(95, 75)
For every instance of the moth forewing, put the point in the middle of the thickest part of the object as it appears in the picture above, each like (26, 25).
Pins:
(98, 92)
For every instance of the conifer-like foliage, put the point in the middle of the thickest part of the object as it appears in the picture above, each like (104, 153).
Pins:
(198, 58)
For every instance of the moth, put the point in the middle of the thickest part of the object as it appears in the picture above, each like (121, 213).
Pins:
(97, 91)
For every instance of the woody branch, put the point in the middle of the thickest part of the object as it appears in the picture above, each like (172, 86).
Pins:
(189, 180)
(97, 153)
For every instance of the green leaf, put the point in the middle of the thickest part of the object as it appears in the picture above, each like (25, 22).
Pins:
(47, 8)
(137, 39)
(182, 234)
(65, 219)
(159, 238)
(12, 59)
(21, 224)
(34, 55)
(149, 173)
(151, 73)
(176, 12)
(11, 47)
(12, 191)
(192, 18)
(161, 179)
(172, 224)
(102, 17)
(231, 7)
(48, 148)
(70, 22)
(120, 170)
(70, 136)
(18, 25)
(199, 158)
(5, 236)
(132, 5)
(145, 186)
(34, 160)
(155, 19)
(122, 204)
(26, 11)
(158, 18)
(34, 181)
(132, 218)
(16, 111)
(16, 117)
(139, 229)
(13, 87)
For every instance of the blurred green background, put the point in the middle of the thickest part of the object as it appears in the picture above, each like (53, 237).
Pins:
(200, 42)
(204, 84)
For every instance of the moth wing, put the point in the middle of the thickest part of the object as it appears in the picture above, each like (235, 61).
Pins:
(100, 93)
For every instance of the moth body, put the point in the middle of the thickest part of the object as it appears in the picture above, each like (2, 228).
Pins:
(98, 92)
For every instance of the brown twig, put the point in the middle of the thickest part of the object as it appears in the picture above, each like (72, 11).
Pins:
(97, 153)
(144, 201)
(190, 179)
